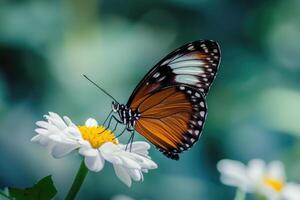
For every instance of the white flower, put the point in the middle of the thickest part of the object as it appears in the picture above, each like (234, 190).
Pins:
(258, 177)
(121, 197)
(4, 194)
(96, 144)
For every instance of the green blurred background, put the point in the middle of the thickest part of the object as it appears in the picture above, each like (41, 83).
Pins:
(254, 109)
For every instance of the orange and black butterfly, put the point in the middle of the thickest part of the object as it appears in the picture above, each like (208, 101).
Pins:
(168, 106)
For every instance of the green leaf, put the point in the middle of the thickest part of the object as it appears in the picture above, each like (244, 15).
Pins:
(43, 190)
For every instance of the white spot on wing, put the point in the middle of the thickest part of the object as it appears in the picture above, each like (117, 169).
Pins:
(202, 104)
(161, 78)
(156, 75)
(188, 79)
(189, 63)
(166, 62)
(202, 113)
(188, 70)
(191, 47)
(200, 123)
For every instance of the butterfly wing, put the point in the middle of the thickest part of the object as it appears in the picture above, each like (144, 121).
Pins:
(172, 119)
(171, 97)
(194, 64)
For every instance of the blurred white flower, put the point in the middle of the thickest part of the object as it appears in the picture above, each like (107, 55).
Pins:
(268, 180)
(121, 197)
(4, 194)
(96, 144)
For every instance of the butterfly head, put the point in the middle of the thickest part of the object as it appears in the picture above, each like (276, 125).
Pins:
(115, 106)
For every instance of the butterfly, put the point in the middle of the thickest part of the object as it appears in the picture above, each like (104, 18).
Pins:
(168, 106)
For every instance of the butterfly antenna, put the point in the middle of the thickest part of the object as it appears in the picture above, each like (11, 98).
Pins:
(85, 76)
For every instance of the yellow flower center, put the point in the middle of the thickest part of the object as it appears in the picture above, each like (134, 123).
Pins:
(275, 184)
(97, 135)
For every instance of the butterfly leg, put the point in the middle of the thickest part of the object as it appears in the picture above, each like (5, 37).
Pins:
(107, 118)
(130, 141)
(122, 132)
(113, 117)
(109, 122)
(116, 125)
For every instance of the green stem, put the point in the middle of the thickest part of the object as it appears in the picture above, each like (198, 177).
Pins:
(80, 176)
(260, 197)
(240, 195)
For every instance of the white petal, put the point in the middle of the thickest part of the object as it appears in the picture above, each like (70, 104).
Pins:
(233, 173)
(291, 191)
(53, 115)
(91, 122)
(41, 131)
(94, 163)
(57, 121)
(68, 121)
(112, 159)
(109, 148)
(57, 138)
(59, 150)
(122, 174)
(276, 170)
(42, 124)
(149, 164)
(143, 161)
(135, 174)
(74, 131)
(56, 117)
(121, 197)
(53, 129)
(35, 138)
(140, 145)
(140, 148)
(114, 154)
(129, 163)
(256, 171)
(110, 153)
(88, 151)
(44, 141)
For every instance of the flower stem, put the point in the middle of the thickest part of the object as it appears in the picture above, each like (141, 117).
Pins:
(80, 176)
(240, 195)
(260, 197)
